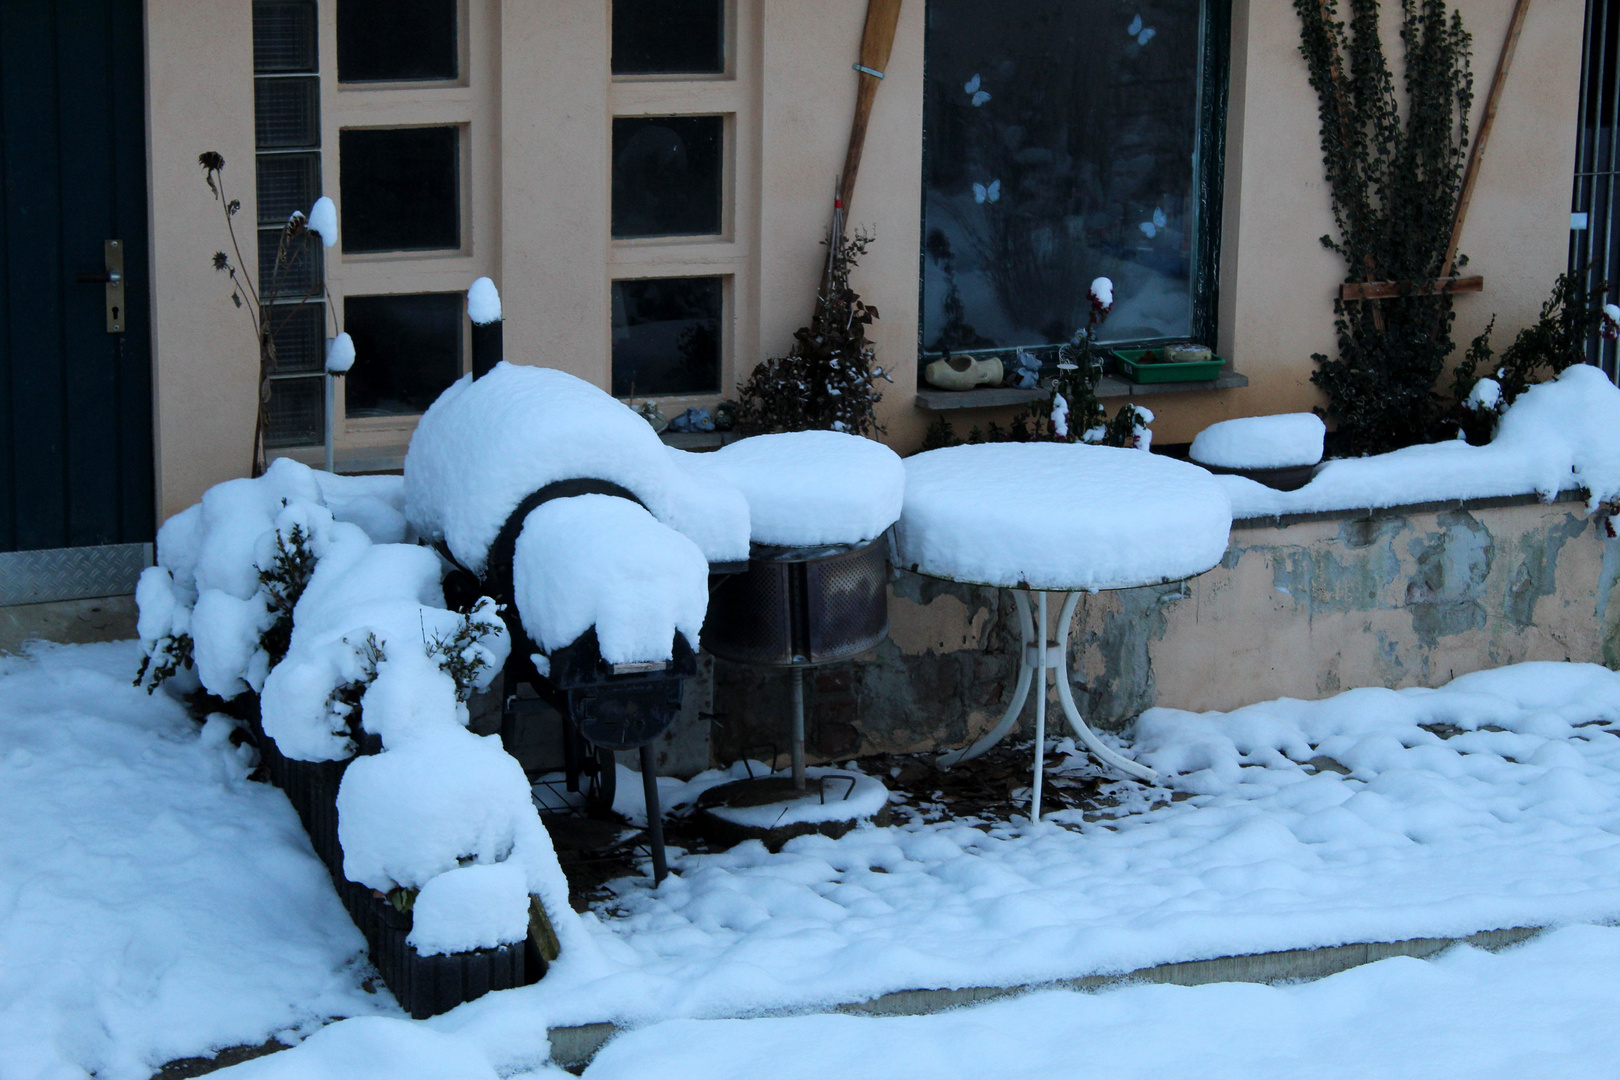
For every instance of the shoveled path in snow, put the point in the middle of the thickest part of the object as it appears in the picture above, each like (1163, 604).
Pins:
(154, 903)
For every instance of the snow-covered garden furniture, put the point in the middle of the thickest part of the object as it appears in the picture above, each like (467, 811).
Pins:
(1057, 517)
(1279, 451)
(564, 505)
(815, 592)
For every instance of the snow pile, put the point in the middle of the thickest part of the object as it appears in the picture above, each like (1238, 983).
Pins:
(483, 302)
(597, 560)
(371, 1048)
(1261, 442)
(807, 488)
(154, 903)
(485, 445)
(1556, 436)
(340, 355)
(1542, 1009)
(1059, 516)
(481, 906)
(375, 503)
(323, 221)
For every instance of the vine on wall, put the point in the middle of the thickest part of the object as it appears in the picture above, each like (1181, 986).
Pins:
(1394, 179)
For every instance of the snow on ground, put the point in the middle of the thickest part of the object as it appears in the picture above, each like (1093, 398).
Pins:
(1558, 435)
(154, 903)
(1512, 820)
(1541, 1010)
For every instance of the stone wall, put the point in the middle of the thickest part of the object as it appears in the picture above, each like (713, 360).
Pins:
(1300, 607)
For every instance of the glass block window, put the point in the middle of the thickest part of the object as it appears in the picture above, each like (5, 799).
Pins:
(666, 336)
(667, 174)
(284, 36)
(669, 37)
(300, 337)
(287, 114)
(287, 182)
(401, 188)
(295, 415)
(287, 111)
(1064, 142)
(408, 349)
(396, 40)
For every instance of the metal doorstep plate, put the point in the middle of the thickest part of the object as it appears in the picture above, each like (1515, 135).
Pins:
(77, 573)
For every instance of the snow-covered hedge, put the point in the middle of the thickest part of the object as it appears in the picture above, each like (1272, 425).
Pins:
(299, 585)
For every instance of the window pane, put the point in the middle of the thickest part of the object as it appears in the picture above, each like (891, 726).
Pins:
(407, 350)
(300, 272)
(1061, 143)
(300, 334)
(666, 175)
(394, 40)
(666, 336)
(287, 112)
(287, 182)
(296, 413)
(668, 37)
(401, 188)
(283, 36)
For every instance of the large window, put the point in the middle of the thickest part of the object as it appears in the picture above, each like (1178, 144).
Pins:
(1065, 141)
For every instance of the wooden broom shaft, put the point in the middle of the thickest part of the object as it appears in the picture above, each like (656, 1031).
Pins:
(877, 40)
(1477, 154)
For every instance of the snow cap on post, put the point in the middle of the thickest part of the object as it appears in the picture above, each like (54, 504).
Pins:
(1102, 294)
(323, 220)
(483, 302)
(340, 355)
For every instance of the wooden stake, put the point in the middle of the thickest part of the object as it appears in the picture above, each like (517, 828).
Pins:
(882, 16)
(1477, 154)
(1386, 290)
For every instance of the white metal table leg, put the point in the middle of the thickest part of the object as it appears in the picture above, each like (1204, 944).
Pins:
(1043, 661)
(1026, 671)
(1060, 663)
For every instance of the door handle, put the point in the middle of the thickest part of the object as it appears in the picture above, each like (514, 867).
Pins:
(113, 279)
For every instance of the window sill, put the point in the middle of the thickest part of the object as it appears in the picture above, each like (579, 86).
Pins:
(1109, 386)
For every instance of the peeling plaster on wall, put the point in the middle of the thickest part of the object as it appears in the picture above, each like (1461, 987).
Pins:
(1302, 609)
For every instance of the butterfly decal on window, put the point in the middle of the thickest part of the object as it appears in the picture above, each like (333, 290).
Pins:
(976, 95)
(1151, 228)
(983, 193)
(1142, 34)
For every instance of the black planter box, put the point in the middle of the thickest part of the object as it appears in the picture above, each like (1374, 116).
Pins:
(424, 985)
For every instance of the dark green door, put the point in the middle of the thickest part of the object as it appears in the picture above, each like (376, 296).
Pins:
(75, 398)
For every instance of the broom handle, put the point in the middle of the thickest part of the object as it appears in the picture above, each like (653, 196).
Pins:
(1477, 155)
(877, 40)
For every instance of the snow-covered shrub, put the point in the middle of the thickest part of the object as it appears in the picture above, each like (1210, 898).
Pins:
(828, 380)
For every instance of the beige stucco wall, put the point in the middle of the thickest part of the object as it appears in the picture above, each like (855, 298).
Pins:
(538, 101)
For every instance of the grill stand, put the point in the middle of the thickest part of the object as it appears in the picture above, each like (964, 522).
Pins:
(798, 729)
(1046, 656)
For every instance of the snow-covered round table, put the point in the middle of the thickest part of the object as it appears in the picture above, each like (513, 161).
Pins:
(1057, 517)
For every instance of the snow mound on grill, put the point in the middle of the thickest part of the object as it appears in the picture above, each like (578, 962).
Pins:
(814, 487)
(486, 444)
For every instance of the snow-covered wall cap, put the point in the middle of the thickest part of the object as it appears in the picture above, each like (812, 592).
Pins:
(1557, 435)
(814, 487)
(1261, 442)
(483, 446)
(483, 302)
(596, 560)
(1060, 516)
(323, 221)
(340, 355)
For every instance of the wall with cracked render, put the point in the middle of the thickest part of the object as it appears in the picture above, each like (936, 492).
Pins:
(1408, 597)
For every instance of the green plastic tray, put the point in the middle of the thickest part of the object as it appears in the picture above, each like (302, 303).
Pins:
(1138, 372)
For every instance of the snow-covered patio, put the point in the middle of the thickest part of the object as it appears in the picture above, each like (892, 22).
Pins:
(159, 904)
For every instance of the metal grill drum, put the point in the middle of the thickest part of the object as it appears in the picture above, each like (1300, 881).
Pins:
(800, 607)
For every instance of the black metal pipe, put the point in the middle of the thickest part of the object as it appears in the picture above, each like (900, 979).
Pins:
(655, 816)
(487, 346)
